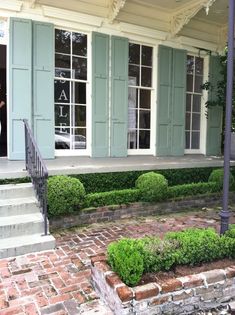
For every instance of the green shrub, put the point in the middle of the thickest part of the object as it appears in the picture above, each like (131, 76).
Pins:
(152, 186)
(217, 176)
(231, 231)
(158, 254)
(65, 194)
(196, 246)
(126, 260)
(100, 182)
(115, 197)
(192, 189)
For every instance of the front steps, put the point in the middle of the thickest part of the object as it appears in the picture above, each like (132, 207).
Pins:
(21, 222)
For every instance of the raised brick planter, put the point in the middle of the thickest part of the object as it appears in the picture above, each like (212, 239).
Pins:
(112, 213)
(183, 295)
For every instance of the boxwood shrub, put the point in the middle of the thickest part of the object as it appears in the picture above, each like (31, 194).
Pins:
(115, 197)
(217, 177)
(152, 187)
(192, 189)
(65, 195)
(189, 247)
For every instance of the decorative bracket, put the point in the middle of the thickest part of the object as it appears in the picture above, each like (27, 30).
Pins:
(183, 16)
(115, 8)
(32, 4)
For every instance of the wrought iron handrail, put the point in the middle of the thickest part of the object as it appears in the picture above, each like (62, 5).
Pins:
(37, 171)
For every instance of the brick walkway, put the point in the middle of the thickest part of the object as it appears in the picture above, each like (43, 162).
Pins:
(58, 281)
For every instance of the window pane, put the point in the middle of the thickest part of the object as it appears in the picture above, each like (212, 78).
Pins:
(132, 98)
(188, 102)
(62, 66)
(79, 44)
(62, 138)
(144, 119)
(189, 83)
(146, 76)
(144, 139)
(132, 139)
(195, 140)
(62, 41)
(80, 93)
(196, 121)
(80, 116)
(134, 75)
(132, 118)
(147, 56)
(61, 91)
(198, 84)
(187, 121)
(190, 64)
(145, 98)
(197, 103)
(198, 65)
(62, 115)
(134, 54)
(79, 138)
(79, 68)
(187, 140)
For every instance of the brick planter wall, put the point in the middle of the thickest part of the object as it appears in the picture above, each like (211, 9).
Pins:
(183, 295)
(112, 213)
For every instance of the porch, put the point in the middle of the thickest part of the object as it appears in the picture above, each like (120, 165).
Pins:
(82, 165)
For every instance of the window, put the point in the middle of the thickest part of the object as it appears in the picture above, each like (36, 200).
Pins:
(193, 102)
(70, 90)
(139, 96)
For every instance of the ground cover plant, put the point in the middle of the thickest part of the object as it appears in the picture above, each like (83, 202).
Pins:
(131, 258)
(67, 194)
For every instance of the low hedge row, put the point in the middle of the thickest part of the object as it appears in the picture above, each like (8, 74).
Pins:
(131, 258)
(67, 195)
(100, 182)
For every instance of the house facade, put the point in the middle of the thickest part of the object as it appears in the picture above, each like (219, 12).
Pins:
(110, 78)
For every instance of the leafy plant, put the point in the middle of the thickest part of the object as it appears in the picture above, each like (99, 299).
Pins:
(152, 186)
(65, 195)
(217, 177)
(125, 258)
(115, 197)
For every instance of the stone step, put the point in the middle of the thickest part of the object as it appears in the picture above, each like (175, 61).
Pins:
(18, 206)
(15, 246)
(20, 225)
(16, 191)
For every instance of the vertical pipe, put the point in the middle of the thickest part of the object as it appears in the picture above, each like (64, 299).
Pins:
(225, 214)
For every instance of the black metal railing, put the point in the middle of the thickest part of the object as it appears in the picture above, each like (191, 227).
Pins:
(37, 171)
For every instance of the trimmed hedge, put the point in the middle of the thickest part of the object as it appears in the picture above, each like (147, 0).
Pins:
(100, 182)
(217, 176)
(189, 247)
(65, 195)
(107, 198)
(192, 189)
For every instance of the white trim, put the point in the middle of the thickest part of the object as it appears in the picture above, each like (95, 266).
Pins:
(192, 42)
(72, 16)
(132, 29)
(139, 152)
(71, 153)
(11, 5)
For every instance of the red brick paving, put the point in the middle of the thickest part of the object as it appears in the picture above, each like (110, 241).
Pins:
(58, 281)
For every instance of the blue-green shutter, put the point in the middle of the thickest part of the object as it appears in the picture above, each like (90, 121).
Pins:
(20, 85)
(119, 99)
(43, 87)
(100, 95)
(164, 108)
(214, 117)
(178, 102)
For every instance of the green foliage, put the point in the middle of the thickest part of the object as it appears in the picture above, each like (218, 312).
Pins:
(196, 246)
(192, 189)
(100, 182)
(125, 258)
(130, 258)
(65, 194)
(20, 180)
(115, 197)
(152, 186)
(217, 176)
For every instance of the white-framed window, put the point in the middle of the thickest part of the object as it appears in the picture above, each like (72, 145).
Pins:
(140, 96)
(193, 116)
(70, 86)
